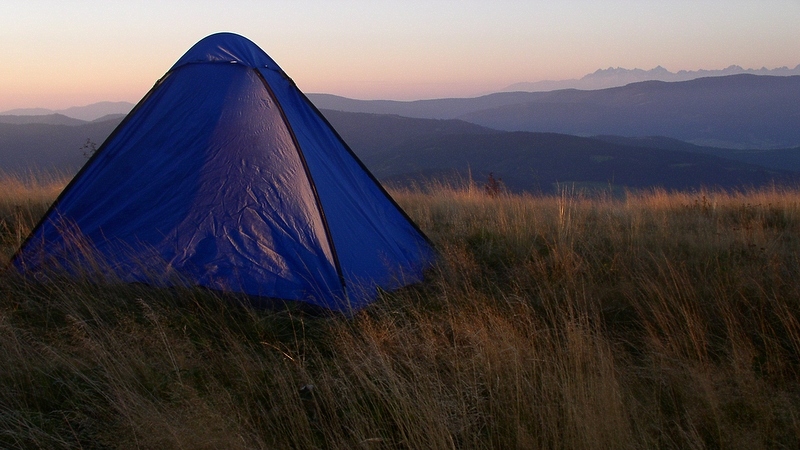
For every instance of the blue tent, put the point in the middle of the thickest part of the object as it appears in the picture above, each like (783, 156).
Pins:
(226, 176)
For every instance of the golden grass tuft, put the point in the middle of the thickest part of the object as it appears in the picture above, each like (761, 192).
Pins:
(24, 199)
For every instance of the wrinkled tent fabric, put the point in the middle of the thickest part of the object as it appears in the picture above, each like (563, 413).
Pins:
(225, 176)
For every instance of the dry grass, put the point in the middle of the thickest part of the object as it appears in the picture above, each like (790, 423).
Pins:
(22, 201)
(663, 320)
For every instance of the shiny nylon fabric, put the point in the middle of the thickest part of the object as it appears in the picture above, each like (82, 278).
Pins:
(204, 182)
(228, 48)
(376, 244)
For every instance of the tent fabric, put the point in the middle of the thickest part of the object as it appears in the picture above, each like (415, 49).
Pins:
(226, 176)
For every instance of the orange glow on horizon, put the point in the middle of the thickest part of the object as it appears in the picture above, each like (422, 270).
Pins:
(61, 54)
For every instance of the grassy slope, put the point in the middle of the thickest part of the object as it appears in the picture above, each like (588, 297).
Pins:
(49, 147)
(659, 321)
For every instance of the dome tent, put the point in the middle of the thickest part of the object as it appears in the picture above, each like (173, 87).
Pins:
(226, 176)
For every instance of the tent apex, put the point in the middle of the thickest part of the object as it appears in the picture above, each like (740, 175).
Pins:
(226, 47)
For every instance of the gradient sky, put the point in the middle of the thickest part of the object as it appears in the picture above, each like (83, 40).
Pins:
(65, 53)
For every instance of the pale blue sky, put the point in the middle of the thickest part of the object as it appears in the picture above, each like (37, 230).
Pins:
(65, 53)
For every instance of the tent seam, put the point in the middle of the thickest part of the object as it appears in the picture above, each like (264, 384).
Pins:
(317, 201)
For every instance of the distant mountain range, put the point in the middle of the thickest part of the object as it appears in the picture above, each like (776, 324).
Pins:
(43, 147)
(617, 76)
(600, 79)
(85, 113)
(731, 131)
(401, 150)
(736, 111)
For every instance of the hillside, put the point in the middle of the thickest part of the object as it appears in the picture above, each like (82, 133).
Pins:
(401, 150)
(42, 146)
(372, 134)
(86, 113)
(48, 119)
(540, 162)
(778, 159)
(737, 111)
(445, 108)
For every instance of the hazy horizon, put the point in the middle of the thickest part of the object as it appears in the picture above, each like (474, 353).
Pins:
(36, 110)
(65, 54)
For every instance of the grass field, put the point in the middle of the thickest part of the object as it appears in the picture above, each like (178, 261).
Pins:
(661, 320)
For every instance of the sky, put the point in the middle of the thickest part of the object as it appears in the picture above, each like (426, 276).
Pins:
(64, 53)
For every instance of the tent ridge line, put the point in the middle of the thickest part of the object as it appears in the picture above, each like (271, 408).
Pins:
(366, 170)
(317, 201)
(228, 62)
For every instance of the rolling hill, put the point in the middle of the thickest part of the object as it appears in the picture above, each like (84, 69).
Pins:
(370, 135)
(736, 111)
(48, 119)
(539, 162)
(401, 150)
(86, 113)
(34, 147)
(779, 159)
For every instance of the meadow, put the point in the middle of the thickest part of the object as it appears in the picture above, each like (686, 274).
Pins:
(653, 320)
